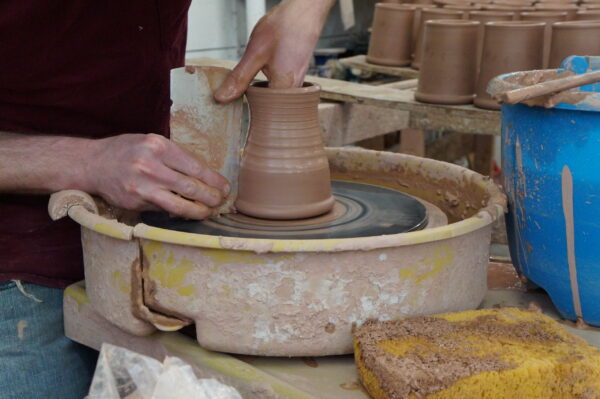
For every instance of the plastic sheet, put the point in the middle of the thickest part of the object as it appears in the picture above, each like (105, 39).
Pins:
(123, 374)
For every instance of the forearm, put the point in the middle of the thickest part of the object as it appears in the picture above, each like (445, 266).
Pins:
(42, 164)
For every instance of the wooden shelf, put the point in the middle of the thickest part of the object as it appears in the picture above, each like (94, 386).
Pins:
(360, 62)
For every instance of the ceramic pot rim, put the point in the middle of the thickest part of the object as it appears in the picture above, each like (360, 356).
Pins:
(451, 23)
(461, 7)
(556, 6)
(262, 87)
(493, 13)
(576, 24)
(556, 13)
(515, 24)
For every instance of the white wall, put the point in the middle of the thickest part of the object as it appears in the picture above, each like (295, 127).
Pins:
(213, 29)
(217, 28)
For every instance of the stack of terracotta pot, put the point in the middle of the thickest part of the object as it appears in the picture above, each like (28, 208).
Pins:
(459, 45)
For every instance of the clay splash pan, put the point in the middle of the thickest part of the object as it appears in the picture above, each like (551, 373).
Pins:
(361, 210)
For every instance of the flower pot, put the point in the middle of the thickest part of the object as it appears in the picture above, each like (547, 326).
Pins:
(430, 14)
(548, 17)
(284, 172)
(509, 46)
(449, 62)
(391, 38)
(487, 16)
(573, 38)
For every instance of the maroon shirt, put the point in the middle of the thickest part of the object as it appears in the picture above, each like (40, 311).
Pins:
(89, 68)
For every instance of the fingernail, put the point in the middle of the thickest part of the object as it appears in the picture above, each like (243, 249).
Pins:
(226, 189)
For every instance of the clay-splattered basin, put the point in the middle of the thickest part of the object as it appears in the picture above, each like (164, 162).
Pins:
(297, 297)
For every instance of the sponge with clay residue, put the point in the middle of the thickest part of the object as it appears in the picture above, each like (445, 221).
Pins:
(480, 354)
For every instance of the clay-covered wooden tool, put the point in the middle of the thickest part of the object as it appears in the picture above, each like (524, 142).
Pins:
(549, 87)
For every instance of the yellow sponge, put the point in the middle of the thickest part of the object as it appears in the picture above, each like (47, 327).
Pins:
(491, 353)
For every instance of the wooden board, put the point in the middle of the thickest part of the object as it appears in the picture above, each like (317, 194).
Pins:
(458, 118)
(360, 62)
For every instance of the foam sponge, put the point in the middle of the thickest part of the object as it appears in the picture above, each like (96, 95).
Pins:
(490, 353)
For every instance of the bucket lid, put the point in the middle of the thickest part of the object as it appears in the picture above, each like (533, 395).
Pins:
(584, 98)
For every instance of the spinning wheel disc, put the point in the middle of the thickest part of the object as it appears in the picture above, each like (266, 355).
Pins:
(361, 210)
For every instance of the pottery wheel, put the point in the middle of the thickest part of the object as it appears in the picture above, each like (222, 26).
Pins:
(361, 210)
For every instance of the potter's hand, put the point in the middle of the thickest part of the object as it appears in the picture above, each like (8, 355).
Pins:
(149, 172)
(281, 45)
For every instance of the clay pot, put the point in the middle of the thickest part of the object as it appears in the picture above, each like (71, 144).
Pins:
(417, 23)
(548, 17)
(570, 9)
(588, 15)
(573, 38)
(509, 46)
(487, 16)
(426, 15)
(449, 62)
(284, 173)
(391, 39)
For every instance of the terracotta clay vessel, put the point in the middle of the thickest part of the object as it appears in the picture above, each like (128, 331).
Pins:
(573, 38)
(284, 173)
(548, 17)
(449, 61)
(417, 24)
(487, 16)
(509, 46)
(588, 15)
(426, 15)
(570, 9)
(391, 38)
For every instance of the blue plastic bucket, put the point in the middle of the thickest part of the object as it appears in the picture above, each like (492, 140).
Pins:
(551, 163)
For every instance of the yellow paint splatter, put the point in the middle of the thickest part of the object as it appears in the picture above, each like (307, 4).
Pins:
(121, 282)
(186, 290)
(165, 268)
(433, 264)
(227, 290)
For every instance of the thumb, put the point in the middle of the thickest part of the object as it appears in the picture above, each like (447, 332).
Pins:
(238, 80)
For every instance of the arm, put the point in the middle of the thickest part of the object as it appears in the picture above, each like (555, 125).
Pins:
(281, 45)
(133, 171)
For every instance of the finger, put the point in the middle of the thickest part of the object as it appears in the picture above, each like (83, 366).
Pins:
(187, 187)
(238, 80)
(176, 205)
(183, 161)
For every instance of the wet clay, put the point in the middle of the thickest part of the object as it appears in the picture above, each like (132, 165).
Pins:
(487, 16)
(548, 17)
(426, 15)
(509, 46)
(391, 38)
(284, 172)
(573, 38)
(449, 62)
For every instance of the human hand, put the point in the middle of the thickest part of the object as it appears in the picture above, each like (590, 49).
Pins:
(281, 46)
(149, 172)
